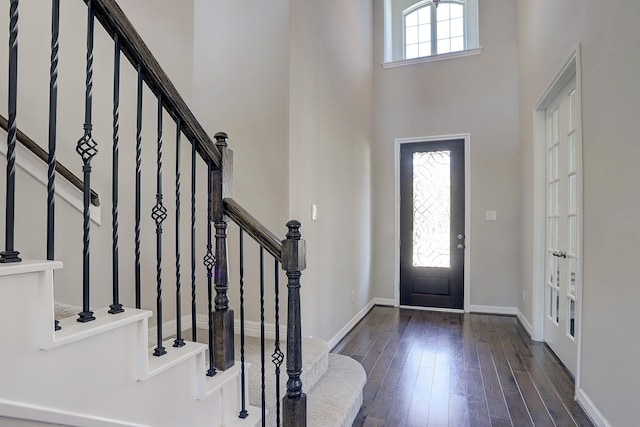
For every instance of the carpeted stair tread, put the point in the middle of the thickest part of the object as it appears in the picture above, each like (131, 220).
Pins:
(315, 356)
(336, 398)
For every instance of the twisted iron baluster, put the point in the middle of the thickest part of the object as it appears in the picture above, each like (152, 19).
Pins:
(243, 410)
(209, 263)
(138, 184)
(159, 214)
(262, 344)
(53, 114)
(116, 307)
(193, 242)
(87, 149)
(9, 254)
(277, 357)
(179, 341)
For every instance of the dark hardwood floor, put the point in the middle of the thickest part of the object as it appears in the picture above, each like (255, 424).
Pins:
(428, 368)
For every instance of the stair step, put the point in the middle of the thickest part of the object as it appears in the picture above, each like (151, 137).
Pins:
(336, 398)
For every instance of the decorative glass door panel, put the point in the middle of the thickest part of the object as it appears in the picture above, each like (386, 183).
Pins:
(431, 209)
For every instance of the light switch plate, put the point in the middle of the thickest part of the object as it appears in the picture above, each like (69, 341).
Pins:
(491, 215)
(314, 212)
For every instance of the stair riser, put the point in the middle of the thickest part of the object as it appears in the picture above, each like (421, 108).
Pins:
(96, 375)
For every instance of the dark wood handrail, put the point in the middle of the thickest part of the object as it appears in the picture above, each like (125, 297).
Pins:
(32, 146)
(253, 227)
(115, 22)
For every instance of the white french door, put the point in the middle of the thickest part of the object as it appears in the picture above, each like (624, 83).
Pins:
(563, 258)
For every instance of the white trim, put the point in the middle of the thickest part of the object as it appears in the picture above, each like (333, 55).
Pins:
(351, 324)
(32, 165)
(493, 309)
(387, 302)
(419, 308)
(467, 211)
(27, 411)
(570, 69)
(358, 317)
(432, 58)
(524, 322)
(592, 411)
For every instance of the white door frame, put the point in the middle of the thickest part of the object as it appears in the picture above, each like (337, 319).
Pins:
(467, 214)
(570, 69)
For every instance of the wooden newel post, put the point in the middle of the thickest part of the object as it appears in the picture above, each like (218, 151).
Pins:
(223, 315)
(293, 262)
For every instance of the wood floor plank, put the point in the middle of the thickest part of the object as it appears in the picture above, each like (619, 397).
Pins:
(447, 369)
(556, 408)
(496, 403)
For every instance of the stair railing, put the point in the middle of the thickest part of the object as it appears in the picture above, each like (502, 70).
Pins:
(218, 158)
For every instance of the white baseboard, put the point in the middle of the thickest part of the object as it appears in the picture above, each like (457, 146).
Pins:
(353, 322)
(524, 322)
(492, 309)
(25, 411)
(383, 301)
(592, 411)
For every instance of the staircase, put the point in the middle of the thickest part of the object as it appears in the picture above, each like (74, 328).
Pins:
(101, 373)
(103, 366)
(85, 373)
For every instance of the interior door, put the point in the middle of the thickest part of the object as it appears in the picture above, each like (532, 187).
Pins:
(432, 224)
(563, 225)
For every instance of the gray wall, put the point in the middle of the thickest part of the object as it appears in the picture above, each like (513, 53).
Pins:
(608, 36)
(476, 95)
(330, 156)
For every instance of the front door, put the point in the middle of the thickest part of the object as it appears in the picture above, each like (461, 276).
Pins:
(563, 229)
(432, 224)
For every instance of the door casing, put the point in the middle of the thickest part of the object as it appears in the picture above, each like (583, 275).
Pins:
(467, 215)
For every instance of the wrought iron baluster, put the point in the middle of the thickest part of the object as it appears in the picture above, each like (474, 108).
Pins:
(159, 214)
(193, 242)
(138, 184)
(116, 307)
(53, 116)
(243, 410)
(262, 343)
(87, 149)
(209, 263)
(277, 357)
(10, 254)
(179, 341)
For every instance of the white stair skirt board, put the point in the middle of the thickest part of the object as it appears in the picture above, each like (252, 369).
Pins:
(35, 167)
(89, 373)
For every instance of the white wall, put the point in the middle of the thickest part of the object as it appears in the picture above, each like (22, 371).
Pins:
(608, 37)
(330, 156)
(476, 95)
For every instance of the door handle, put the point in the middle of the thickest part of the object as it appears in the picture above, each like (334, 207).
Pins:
(559, 254)
(460, 246)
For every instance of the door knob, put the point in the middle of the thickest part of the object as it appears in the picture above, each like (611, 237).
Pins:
(460, 236)
(460, 246)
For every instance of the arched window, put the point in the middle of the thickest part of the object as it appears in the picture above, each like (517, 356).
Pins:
(431, 30)
(424, 28)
